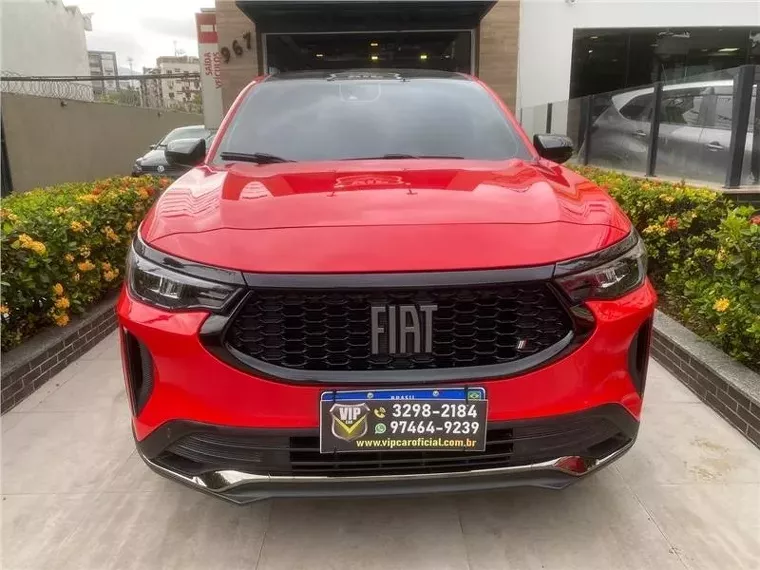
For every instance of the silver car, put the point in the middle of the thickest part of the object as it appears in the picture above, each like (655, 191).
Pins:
(695, 131)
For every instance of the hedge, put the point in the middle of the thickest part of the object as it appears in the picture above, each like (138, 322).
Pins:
(63, 248)
(704, 257)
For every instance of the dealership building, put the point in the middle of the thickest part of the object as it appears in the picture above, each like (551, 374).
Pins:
(530, 51)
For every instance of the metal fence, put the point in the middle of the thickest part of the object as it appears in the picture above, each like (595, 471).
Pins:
(178, 91)
(704, 128)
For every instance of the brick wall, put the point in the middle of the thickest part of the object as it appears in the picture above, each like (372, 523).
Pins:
(497, 64)
(29, 366)
(231, 24)
(726, 386)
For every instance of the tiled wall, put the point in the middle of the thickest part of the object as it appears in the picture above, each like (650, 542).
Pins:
(499, 32)
(709, 382)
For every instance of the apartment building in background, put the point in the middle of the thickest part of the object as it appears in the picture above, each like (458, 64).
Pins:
(180, 92)
(151, 93)
(44, 37)
(103, 64)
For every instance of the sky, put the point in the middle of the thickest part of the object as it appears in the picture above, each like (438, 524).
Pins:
(142, 29)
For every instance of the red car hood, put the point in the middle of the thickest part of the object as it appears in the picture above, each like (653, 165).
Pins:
(364, 216)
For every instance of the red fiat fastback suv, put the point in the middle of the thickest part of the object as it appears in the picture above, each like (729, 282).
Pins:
(373, 283)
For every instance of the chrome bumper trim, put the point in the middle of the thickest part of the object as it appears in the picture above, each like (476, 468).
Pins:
(220, 482)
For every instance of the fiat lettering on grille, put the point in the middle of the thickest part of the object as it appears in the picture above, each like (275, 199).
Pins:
(402, 329)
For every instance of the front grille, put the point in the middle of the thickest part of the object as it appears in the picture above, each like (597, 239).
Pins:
(153, 169)
(330, 330)
(195, 453)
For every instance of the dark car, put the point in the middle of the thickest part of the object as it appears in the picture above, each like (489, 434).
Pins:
(154, 161)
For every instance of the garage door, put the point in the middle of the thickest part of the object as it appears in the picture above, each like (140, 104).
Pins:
(449, 50)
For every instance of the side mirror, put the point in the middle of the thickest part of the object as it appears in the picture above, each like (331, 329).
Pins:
(153, 146)
(185, 152)
(557, 148)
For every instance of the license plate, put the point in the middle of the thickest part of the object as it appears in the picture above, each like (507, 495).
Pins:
(403, 420)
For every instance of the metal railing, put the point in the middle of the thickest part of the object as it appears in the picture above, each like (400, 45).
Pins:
(177, 91)
(704, 128)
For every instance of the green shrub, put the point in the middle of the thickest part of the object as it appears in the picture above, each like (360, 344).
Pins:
(673, 219)
(704, 257)
(720, 288)
(63, 248)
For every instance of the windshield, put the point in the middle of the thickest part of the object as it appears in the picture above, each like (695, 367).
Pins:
(307, 119)
(185, 133)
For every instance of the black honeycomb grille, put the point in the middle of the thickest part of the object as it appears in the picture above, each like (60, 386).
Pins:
(325, 330)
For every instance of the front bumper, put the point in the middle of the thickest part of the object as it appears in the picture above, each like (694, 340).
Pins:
(244, 465)
(240, 487)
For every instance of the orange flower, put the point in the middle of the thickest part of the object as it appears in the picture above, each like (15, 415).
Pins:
(58, 289)
(62, 303)
(110, 234)
(755, 219)
(85, 266)
(77, 227)
(6, 214)
(38, 247)
(88, 198)
(61, 320)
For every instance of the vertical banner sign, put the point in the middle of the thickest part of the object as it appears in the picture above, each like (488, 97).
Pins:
(208, 52)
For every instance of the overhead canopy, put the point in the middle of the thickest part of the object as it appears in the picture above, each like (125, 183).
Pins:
(343, 16)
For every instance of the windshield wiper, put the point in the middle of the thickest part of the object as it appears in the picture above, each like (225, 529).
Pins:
(256, 157)
(404, 156)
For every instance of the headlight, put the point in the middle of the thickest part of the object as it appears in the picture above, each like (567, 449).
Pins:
(157, 285)
(626, 271)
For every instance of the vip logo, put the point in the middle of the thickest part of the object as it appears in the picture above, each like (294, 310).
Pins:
(402, 329)
(349, 421)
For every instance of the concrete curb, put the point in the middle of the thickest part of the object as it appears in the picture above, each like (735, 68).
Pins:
(30, 365)
(729, 388)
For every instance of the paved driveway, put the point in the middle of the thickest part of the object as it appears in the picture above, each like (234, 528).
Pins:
(76, 496)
